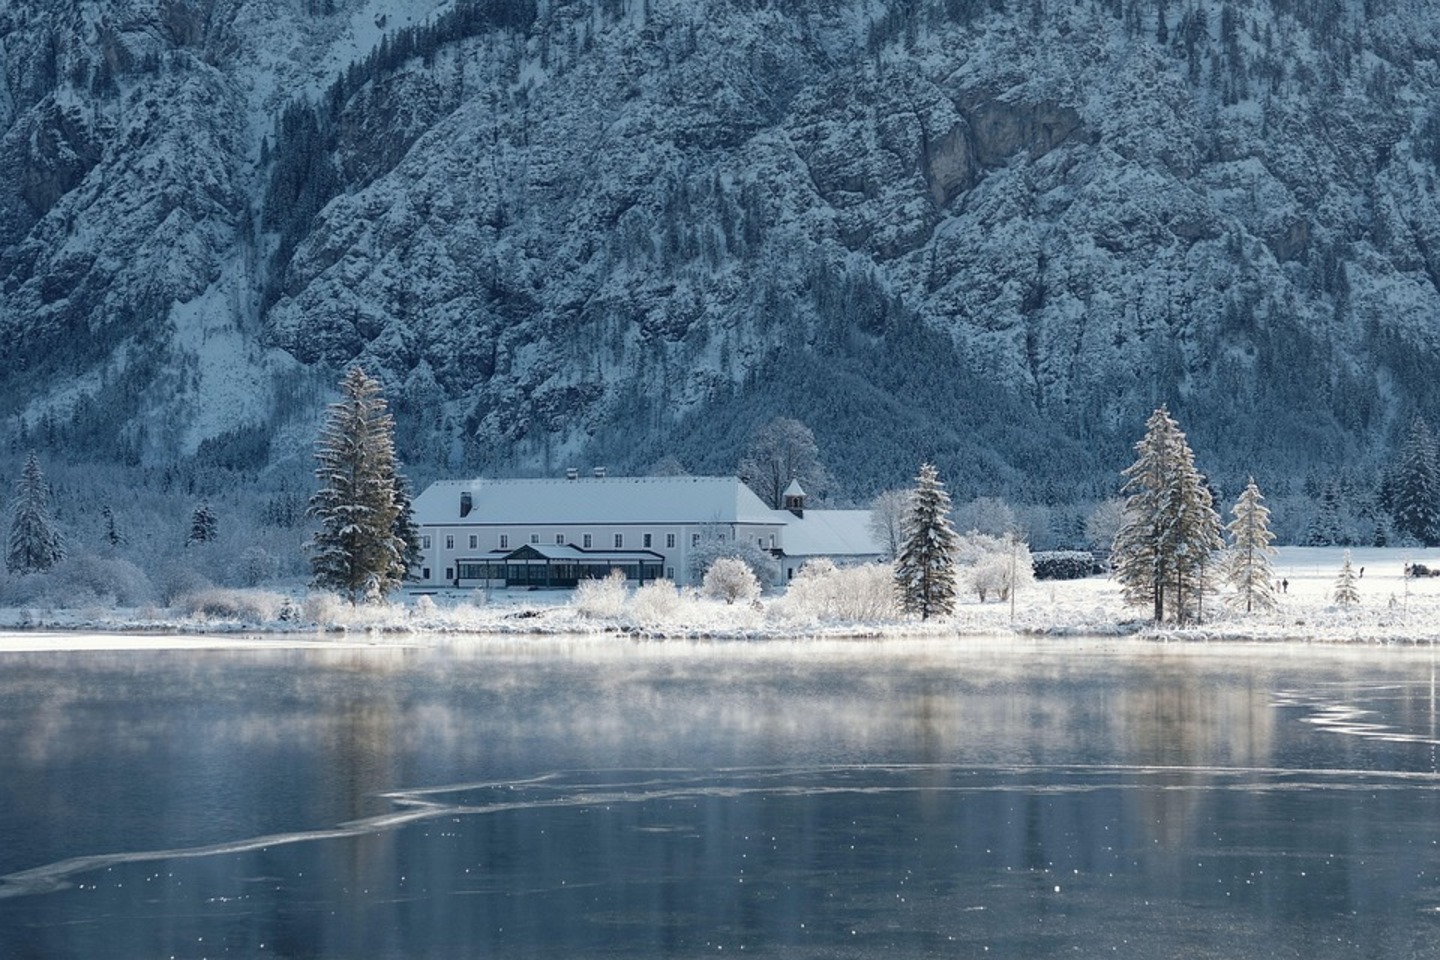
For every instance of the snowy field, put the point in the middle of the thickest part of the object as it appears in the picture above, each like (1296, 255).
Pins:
(1392, 609)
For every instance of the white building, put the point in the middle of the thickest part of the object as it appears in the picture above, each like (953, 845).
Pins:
(555, 532)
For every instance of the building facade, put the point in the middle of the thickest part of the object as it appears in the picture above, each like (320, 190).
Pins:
(556, 532)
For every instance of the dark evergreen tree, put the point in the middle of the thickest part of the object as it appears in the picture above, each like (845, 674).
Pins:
(925, 568)
(204, 528)
(34, 544)
(357, 550)
(1415, 486)
(113, 536)
(405, 529)
(1325, 528)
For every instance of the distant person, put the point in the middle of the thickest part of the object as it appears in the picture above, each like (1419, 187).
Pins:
(1285, 585)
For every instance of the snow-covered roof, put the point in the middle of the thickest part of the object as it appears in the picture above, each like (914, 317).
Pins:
(573, 553)
(594, 500)
(830, 533)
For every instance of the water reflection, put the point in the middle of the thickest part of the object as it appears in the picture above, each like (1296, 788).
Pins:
(613, 799)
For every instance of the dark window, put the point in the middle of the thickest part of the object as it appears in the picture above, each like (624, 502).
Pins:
(670, 540)
(647, 541)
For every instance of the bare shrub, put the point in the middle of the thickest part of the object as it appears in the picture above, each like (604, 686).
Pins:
(601, 599)
(250, 606)
(656, 602)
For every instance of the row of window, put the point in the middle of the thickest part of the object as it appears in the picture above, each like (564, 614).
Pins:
(587, 541)
(546, 574)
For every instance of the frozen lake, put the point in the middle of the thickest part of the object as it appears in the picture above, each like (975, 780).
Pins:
(603, 798)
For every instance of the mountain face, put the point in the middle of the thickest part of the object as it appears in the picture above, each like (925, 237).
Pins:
(994, 233)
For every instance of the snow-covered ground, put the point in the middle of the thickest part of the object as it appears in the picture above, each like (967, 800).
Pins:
(1392, 609)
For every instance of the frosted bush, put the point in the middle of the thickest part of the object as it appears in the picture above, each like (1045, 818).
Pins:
(81, 581)
(730, 579)
(424, 607)
(859, 594)
(656, 602)
(866, 593)
(993, 566)
(250, 606)
(322, 607)
(176, 580)
(761, 563)
(601, 599)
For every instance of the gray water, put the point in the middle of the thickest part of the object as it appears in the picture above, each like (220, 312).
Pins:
(610, 799)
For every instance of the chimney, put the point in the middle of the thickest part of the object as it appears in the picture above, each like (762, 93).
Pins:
(466, 503)
(599, 472)
(571, 473)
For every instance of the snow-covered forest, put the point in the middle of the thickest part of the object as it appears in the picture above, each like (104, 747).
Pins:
(989, 235)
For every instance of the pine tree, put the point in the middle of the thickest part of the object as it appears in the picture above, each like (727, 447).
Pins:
(204, 528)
(35, 544)
(1250, 551)
(113, 536)
(1415, 486)
(925, 567)
(1163, 550)
(405, 528)
(1347, 591)
(357, 550)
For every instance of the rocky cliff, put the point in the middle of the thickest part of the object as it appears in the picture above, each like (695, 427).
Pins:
(992, 233)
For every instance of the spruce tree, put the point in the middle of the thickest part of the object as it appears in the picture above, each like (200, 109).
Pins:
(34, 543)
(405, 528)
(357, 550)
(1250, 551)
(1415, 486)
(925, 567)
(1163, 549)
(1347, 590)
(204, 528)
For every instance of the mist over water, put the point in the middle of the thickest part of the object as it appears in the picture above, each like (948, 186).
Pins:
(604, 798)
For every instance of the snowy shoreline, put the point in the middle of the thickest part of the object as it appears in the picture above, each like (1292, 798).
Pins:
(1393, 610)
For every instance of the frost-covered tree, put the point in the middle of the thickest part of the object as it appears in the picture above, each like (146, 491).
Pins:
(1248, 566)
(987, 515)
(1415, 486)
(405, 528)
(887, 519)
(715, 543)
(35, 544)
(783, 450)
(357, 550)
(1347, 589)
(204, 528)
(730, 579)
(1162, 553)
(925, 574)
(1103, 522)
